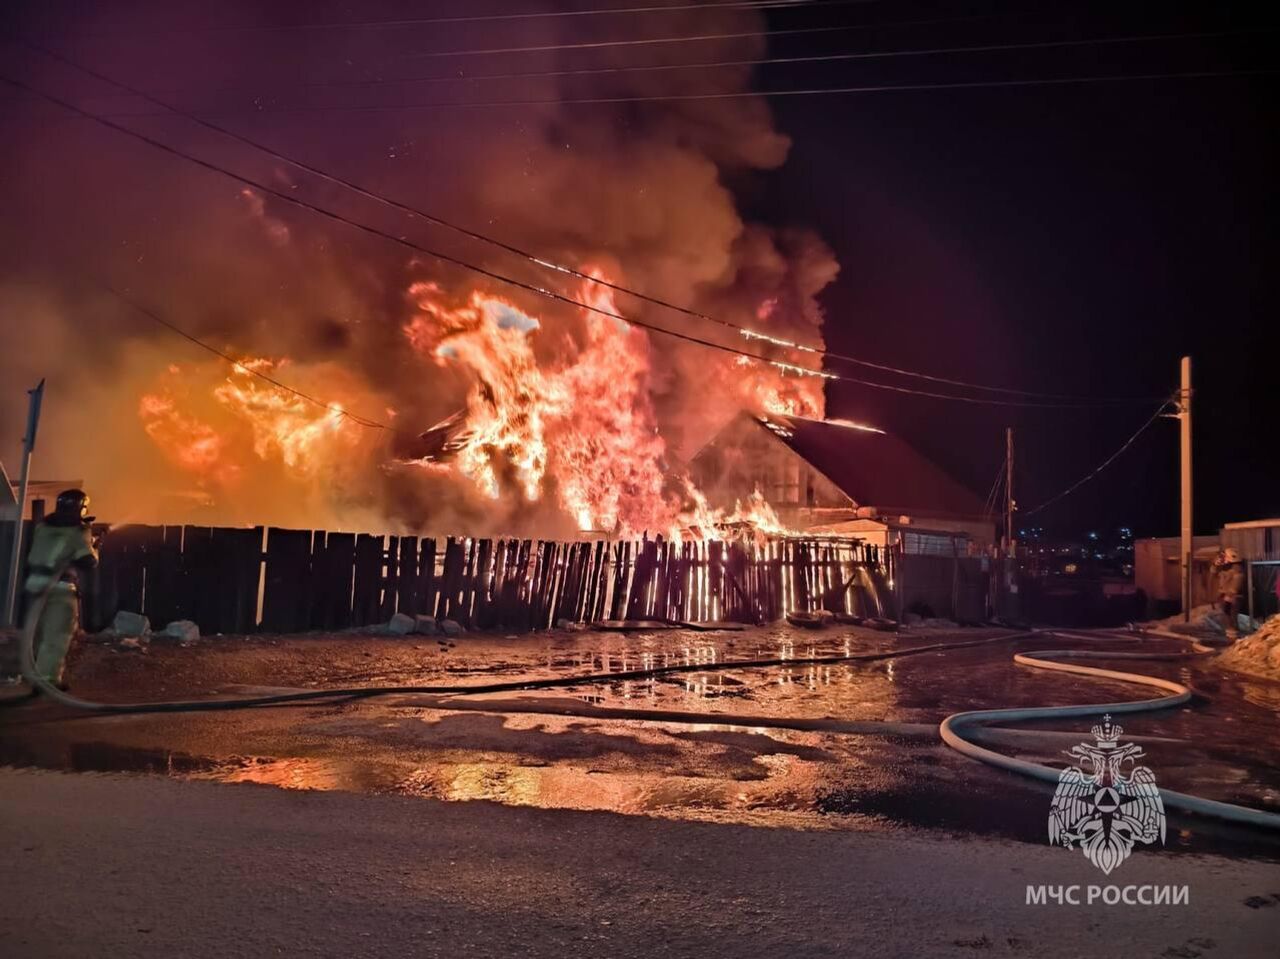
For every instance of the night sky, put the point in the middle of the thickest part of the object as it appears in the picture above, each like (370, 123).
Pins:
(1072, 239)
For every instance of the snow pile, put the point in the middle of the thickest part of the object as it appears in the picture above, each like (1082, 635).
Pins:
(1258, 653)
(1207, 619)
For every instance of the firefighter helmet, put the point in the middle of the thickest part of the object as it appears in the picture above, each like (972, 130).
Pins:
(73, 504)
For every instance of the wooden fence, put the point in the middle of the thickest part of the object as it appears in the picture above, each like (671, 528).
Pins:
(285, 580)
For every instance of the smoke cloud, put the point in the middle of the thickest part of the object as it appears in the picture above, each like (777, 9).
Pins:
(640, 192)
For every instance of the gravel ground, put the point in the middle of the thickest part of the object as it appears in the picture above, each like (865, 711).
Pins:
(112, 866)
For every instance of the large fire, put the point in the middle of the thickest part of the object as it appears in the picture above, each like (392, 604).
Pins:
(560, 410)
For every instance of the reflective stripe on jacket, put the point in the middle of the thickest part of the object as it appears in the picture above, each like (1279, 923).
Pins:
(1231, 580)
(51, 547)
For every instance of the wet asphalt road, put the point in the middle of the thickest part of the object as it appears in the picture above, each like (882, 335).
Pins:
(146, 866)
(709, 745)
(796, 810)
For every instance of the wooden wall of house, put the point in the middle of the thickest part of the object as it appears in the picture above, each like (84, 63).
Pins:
(745, 457)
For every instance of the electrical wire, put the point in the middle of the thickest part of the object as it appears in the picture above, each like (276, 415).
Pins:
(989, 506)
(1105, 463)
(728, 5)
(682, 38)
(726, 95)
(416, 212)
(717, 64)
(510, 281)
(331, 407)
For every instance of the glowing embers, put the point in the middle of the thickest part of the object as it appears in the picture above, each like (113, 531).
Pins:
(775, 427)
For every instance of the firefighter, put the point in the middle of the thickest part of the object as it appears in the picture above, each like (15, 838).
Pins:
(63, 541)
(1229, 585)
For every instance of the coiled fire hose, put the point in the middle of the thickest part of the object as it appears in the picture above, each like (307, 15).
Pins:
(949, 729)
(952, 727)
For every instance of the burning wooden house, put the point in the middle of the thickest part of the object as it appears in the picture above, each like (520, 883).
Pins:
(841, 478)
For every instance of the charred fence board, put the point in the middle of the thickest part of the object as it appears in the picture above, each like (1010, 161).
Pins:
(198, 571)
(287, 588)
(483, 584)
(427, 578)
(390, 582)
(332, 571)
(164, 576)
(367, 583)
(237, 556)
(408, 584)
(451, 579)
(123, 558)
(467, 587)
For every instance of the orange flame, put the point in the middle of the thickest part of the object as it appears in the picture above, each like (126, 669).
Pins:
(208, 431)
(562, 413)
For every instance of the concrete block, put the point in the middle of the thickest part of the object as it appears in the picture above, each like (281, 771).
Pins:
(451, 627)
(401, 625)
(183, 630)
(130, 624)
(425, 625)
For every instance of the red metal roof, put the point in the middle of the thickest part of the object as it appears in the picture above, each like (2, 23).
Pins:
(874, 468)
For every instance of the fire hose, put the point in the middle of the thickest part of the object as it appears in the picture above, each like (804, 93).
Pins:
(950, 728)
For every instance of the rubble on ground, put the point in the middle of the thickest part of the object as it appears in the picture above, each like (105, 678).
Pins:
(1258, 653)
(1205, 621)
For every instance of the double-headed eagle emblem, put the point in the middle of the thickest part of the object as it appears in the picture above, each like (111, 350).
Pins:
(1097, 806)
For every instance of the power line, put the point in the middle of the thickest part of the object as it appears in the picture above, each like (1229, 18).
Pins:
(717, 64)
(331, 407)
(989, 505)
(683, 38)
(539, 261)
(1105, 463)
(730, 95)
(482, 271)
(748, 5)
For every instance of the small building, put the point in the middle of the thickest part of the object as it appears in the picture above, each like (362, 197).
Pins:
(1256, 540)
(834, 476)
(41, 496)
(1157, 572)
(847, 479)
(1157, 567)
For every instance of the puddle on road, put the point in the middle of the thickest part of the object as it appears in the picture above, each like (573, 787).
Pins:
(1226, 745)
(291, 773)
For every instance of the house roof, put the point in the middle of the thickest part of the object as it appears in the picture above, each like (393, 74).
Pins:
(873, 468)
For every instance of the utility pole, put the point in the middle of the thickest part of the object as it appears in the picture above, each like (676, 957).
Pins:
(1187, 548)
(34, 399)
(1009, 542)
